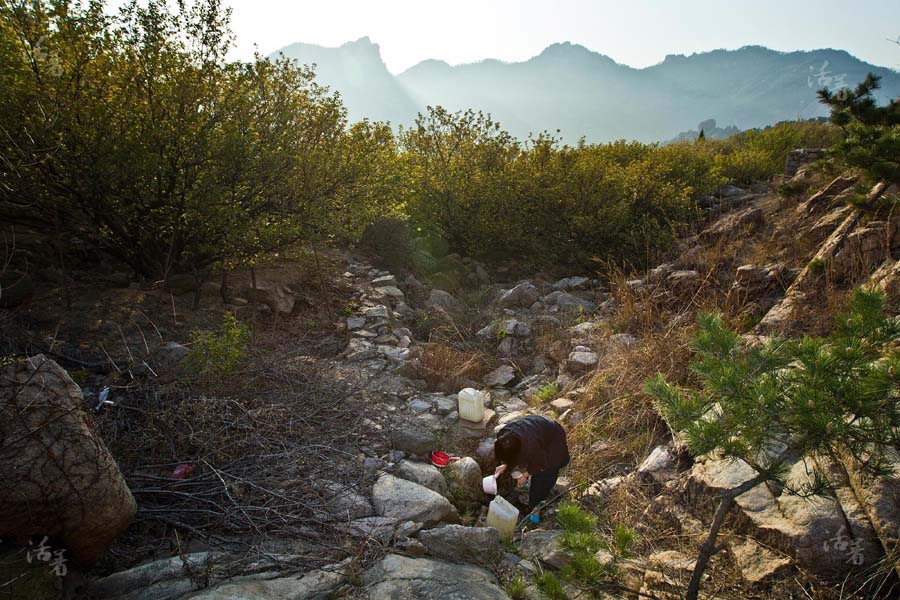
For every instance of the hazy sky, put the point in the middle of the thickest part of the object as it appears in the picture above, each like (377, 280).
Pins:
(633, 32)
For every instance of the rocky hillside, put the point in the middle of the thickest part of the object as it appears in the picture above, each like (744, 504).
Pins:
(306, 473)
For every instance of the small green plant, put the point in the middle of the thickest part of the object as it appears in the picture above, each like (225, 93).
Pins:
(517, 587)
(623, 541)
(547, 392)
(584, 570)
(550, 586)
(574, 519)
(500, 331)
(580, 542)
(816, 265)
(219, 353)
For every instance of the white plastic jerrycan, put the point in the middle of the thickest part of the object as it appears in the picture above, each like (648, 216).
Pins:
(503, 517)
(471, 404)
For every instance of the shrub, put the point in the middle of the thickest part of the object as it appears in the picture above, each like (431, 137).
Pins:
(574, 519)
(218, 354)
(550, 586)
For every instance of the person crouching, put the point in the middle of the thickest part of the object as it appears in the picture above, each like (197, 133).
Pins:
(537, 446)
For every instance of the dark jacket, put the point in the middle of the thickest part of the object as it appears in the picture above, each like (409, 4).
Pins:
(543, 443)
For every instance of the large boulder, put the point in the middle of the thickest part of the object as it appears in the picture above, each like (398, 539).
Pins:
(59, 479)
(465, 475)
(279, 298)
(544, 545)
(423, 474)
(827, 536)
(414, 440)
(523, 295)
(457, 543)
(442, 300)
(402, 578)
(407, 501)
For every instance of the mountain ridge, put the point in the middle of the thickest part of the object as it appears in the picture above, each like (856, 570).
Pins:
(584, 93)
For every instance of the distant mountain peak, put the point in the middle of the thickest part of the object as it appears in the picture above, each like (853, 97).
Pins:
(582, 92)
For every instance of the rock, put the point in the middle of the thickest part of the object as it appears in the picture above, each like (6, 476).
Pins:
(424, 474)
(442, 300)
(320, 584)
(659, 467)
(407, 501)
(605, 486)
(584, 329)
(470, 430)
(354, 323)
(279, 298)
(571, 283)
(384, 281)
(544, 545)
(660, 273)
(580, 362)
(16, 288)
(635, 285)
(167, 358)
(465, 475)
(506, 347)
(500, 376)
(734, 224)
(444, 405)
(568, 302)
(403, 578)
(456, 543)
(484, 453)
(377, 312)
(756, 562)
(673, 560)
(358, 350)
(395, 354)
(730, 191)
(561, 405)
(375, 528)
(165, 579)
(345, 503)
(621, 340)
(683, 279)
(418, 406)
(814, 531)
(515, 328)
(390, 291)
(523, 295)
(59, 479)
(797, 158)
(413, 440)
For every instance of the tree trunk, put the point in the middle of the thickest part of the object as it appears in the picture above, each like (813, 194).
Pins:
(223, 288)
(708, 549)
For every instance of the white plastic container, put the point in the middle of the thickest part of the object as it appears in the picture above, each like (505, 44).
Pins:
(471, 404)
(489, 485)
(503, 517)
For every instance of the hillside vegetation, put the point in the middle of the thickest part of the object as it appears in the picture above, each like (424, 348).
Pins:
(134, 136)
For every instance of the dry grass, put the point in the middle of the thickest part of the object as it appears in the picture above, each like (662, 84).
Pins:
(448, 369)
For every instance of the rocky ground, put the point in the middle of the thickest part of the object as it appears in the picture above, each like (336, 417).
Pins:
(555, 347)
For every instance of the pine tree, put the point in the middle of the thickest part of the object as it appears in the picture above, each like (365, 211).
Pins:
(835, 398)
(701, 137)
(871, 132)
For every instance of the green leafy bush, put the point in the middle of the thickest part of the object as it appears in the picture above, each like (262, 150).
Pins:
(218, 353)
